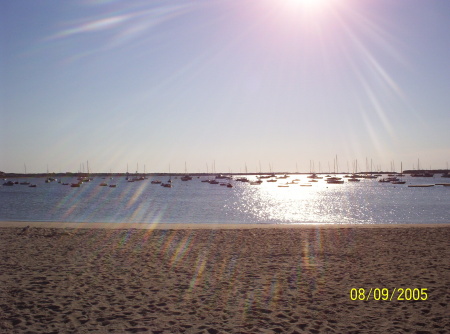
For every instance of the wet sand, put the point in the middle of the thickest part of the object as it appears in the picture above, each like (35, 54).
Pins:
(173, 279)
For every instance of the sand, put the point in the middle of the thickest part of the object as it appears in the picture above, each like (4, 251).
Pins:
(170, 279)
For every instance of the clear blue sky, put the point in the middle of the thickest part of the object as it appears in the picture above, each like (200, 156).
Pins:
(246, 82)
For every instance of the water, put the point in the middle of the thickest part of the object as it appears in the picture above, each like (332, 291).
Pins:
(365, 202)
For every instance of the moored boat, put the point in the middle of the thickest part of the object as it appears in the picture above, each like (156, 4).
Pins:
(335, 180)
(243, 179)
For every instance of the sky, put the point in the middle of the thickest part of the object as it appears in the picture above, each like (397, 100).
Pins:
(224, 85)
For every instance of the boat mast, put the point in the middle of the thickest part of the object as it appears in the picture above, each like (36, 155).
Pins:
(337, 168)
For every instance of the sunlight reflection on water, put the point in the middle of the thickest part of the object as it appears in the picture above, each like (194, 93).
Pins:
(368, 202)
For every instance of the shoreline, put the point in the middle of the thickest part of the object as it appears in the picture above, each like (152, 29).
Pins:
(206, 226)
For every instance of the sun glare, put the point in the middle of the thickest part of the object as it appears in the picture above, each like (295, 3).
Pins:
(309, 4)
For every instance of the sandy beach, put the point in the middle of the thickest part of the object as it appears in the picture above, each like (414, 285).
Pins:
(60, 278)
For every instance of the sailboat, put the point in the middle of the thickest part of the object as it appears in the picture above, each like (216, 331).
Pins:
(186, 176)
(25, 182)
(354, 178)
(169, 182)
(419, 174)
(399, 181)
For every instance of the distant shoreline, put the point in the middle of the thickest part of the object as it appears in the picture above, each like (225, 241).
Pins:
(70, 174)
(206, 226)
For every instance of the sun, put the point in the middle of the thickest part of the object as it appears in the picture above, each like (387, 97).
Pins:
(309, 4)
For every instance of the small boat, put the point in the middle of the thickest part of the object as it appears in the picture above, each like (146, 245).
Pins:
(75, 185)
(166, 185)
(421, 185)
(272, 180)
(389, 179)
(103, 184)
(283, 186)
(335, 180)
(353, 179)
(113, 185)
(32, 186)
(398, 182)
(426, 174)
(243, 179)
(306, 185)
(8, 183)
(155, 182)
(229, 185)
